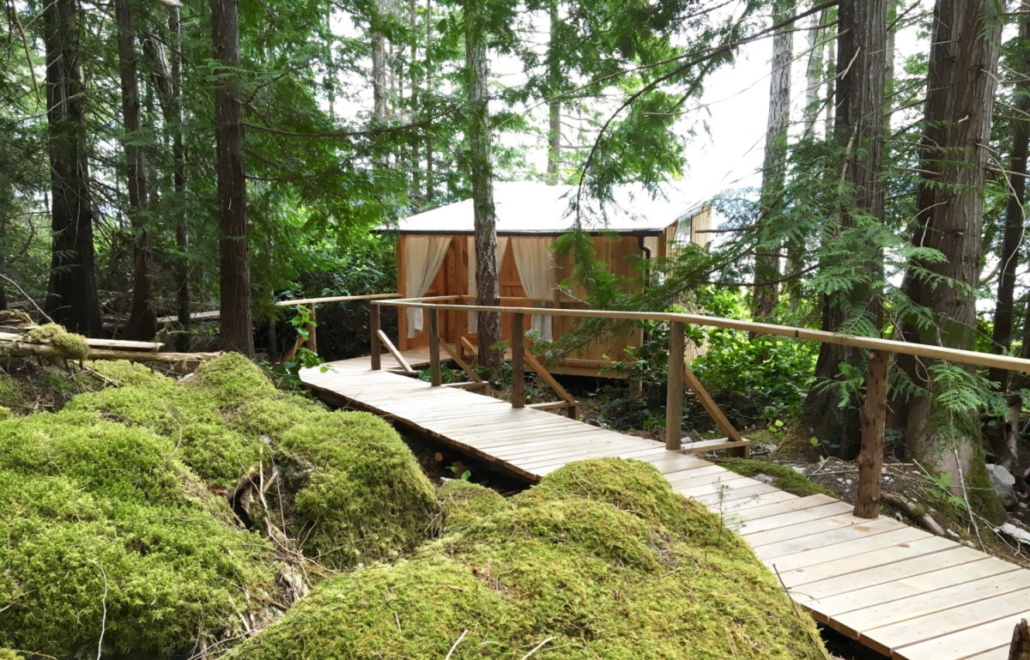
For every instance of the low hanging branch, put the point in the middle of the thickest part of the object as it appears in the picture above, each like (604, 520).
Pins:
(20, 348)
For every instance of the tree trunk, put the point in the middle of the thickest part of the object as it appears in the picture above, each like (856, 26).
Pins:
(380, 93)
(861, 70)
(182, 233)
(815, 72)
(554, 104)
(1014, 214)
(477, 74)
(142, 323)
(774, 168)
(72, 298)
(234, 268)
(959, 104)
(430, 184)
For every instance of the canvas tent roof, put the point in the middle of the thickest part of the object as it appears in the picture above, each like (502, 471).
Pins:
(539, 208)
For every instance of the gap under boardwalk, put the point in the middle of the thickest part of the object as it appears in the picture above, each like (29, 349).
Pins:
(899, 590)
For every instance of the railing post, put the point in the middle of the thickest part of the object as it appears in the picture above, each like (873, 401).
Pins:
(434, 347)
(374, 345)
(312, 323)
(674, 390)
(872, 420)
(518, 363)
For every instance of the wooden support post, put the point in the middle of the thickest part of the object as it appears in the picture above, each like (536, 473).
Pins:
(714, 411)
(374, 345)
(312, 324)
(395, 353)
(455, 355)
(434, 348)
(571, 404)
(872, 418)
(518, 363)
(674, 390)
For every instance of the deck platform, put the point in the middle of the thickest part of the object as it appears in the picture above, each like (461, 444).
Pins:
(901, 591)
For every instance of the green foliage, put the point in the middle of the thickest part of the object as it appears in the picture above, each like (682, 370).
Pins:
(590, 563)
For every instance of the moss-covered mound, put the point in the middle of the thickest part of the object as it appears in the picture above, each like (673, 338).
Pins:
(783, 476)
(600, 560)
(347, 489)
(104, 529)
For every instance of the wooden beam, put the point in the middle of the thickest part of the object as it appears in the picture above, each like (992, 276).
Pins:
(538, 367)
(674, 389)
(468, 346)
(395, 353)
(872, 419)
(518, 363)
(550, 405)
(316, 301)
(713, 409)
(480, 385)
(435, 377)
(374, 344)
(458, 360)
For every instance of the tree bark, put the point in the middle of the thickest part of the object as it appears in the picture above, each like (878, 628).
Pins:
(553, 104)
(380, 92)
(234, 267)
(142, 323)
(959, 104)
(873, 421)
(858, 129)
(1015, 220)
(72, 298)
(774, 168)
(182, 234)
(477, 76)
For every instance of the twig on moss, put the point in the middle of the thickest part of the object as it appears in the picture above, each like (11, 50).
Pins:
(537, 647)
(103, 616)
(456, 642)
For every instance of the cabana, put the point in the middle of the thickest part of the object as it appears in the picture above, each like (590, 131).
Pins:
(436, 257)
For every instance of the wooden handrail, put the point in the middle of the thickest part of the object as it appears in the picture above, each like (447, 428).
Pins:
(854, 341)
(316, 301)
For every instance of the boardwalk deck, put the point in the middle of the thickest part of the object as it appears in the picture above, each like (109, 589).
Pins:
(903, 592)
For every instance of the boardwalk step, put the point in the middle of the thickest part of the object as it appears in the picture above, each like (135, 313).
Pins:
(712, 445)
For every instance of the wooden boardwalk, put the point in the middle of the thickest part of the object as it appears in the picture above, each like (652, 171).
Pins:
(899, 590)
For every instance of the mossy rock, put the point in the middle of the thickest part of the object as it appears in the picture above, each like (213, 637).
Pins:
(574, 568)
(69, 345)
(12, 394)
(103, 524)
(783, 476)
(126, 374)
(352, 490)
(463, 503)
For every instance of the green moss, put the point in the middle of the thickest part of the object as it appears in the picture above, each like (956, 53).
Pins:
(581, 569)
(982, 497)
(233, 380)
(783, 476)
(128, 374)
(12, 395)
(69, 345)
(100, 520)
(7, 654)
(463, 503)
(360, 494)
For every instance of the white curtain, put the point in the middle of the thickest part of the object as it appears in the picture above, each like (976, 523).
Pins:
(423, 255)
(502, 245)
(535, 263)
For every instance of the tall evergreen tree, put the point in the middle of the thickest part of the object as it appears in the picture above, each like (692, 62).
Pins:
(72, 298)
(964, 52)
(237, 332)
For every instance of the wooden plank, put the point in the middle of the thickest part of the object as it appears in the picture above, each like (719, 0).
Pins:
(847, 549)
(885, 640)
(819, 527)
(710, 406)
(462, 364)
(746, 528)
(395, 353)
(791, 504)
(871, 558)
(549, 406)
(674, 388)
(968, 643)
(696, 476)
(737, 506)
(881, 603)
(828, 536)
(724, 482)
(817, 593)
(312, 301)
(719, 500)
(553, 383)
(713, 445)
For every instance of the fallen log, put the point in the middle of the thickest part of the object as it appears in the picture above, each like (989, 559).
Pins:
(25, 349)
(116, 344)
